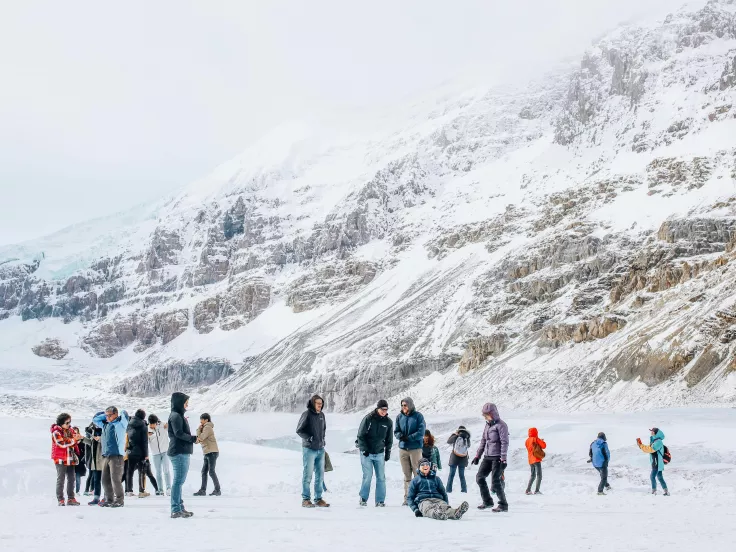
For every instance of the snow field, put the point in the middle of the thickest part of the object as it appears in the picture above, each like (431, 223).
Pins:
(260, 472)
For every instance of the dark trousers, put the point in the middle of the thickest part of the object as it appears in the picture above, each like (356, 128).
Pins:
(62, 472)
(491, 465)
(604, 478)
(96, 477)
(90, 481)
(144, 469)
(536, 474)
(210, 462)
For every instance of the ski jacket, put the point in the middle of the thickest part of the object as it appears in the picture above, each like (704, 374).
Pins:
(433, 455)
(656, 449)
(423, 487)
(411, 426)
(113, 433)
(206, 437)
(137, 433)
(495, 440)
(534, 438)
(456, 460)
(158, 439)
(181, 440)
(375, 434)
(312, 426)
(601, 455)
(93, 454)
(64, 449)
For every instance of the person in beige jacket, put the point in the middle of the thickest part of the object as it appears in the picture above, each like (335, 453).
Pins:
(206, 438)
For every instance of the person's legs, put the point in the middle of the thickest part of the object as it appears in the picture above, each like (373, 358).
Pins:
(96, 483)
(497, 471)
(415, 456)
(90, 481)
(158, 467)
(485, 469)
(129, 469)
(180, 465)
(539, 476)
(308, 458)
(405, 461)
(205, 470)
(463, 483)
(434, 508)
(77, 482)
(116, 473)
(450, 478)
(167, 470)
(365, 487)
(531, 478)
(604, 478)
(319, 474)
(71, 480)
(213, 465)
(653, 478)
(60, 471)
(106, 478)
(379, 464)
(149, 474)
(660, 476)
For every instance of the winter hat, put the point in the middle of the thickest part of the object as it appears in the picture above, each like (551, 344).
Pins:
(462, 428)
(602, 435)
(424, 461)
(382, 404)
(654, 430)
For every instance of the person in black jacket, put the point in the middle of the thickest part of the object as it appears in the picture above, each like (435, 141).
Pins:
(137, 451)
(375, 438)
(181, 446)
(312, 428)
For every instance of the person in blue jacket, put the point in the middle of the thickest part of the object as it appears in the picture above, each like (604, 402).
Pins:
(427, 496)
(114, 426)
(600, 455)
(409, 432)
(656, 450)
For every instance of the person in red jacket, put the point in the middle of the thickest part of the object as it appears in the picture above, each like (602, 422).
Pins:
(65, 454)
(535, 447)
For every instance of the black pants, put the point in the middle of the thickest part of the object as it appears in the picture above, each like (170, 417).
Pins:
(536, 474)
(210, 462)
(96, 479)
(144, 469)
(604, 478)
(491, 465)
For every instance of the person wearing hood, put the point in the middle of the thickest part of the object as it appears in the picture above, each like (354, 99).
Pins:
(137, 450)
(375, 439)
(181, 446)
(656, 450)
(65, 455)
(427, 496)
(460, 441)
(114, 426)
(92, 442)
(206, 438)
(431, 452)
(409, 432)
(312, 428)
(535, 450)
(494, 446)
(600, 455)
(158, 447)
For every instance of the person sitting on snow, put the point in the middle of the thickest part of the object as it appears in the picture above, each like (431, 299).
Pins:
(427, 496)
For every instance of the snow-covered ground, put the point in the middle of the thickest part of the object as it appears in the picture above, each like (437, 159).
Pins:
(260, 472)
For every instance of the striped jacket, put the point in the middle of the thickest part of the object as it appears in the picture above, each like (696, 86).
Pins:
(64, 449)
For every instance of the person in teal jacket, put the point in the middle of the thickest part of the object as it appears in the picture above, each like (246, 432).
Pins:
(431, 452)
(656, 450)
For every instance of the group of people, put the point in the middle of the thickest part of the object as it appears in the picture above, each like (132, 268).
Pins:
(115, 445)
(424, 491)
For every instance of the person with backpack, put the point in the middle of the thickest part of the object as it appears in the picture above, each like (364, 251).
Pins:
(312, 428)
(460, 441)
(158, 447)
(427, 496)
(65, 455)
(431, 452)
(206, 438)
(494, 446)
(409, 431)
(375, 439)
(600, 455)
(660, 456)
(137, 433)
(535, 449)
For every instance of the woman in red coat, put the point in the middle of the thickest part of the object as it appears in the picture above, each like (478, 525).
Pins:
(65, 454)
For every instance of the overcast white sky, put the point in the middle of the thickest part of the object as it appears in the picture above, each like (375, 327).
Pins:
(104, 105)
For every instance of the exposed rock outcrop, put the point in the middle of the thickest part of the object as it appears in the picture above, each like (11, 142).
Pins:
(589, 330)
(175, 376)
(50, 348)
(480, 348)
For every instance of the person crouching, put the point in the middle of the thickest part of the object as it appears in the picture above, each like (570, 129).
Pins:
(427, 496)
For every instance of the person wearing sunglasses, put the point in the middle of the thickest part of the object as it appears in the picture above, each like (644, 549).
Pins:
(65, 455)
(375, 439)
(410, 427)
(114, 426)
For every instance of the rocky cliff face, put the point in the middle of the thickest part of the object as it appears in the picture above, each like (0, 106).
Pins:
(567, 244)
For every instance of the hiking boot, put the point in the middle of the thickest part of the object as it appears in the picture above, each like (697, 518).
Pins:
(609, 488)
(460, 512)
(500, 508)
(405, 503)
(528, 492)
(601, 493)
(321, 504)
(666, 493)
(103, 503)
(216, 492)
(485, 506)
(62, 503)
(117, 505)
(159, 493)
(307, 504)
(129, 493)
(201, 492)
(177, 515)
(187, 513)
(94, 502)
(380, 505)
(537, 492)
(654, 492)
(362, 503)
(144, 494)
(72, 502)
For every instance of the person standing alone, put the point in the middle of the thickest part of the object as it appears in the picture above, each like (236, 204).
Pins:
(375, 438)
(493, 448)
(206, 438)
(535, 450)
(181, 446)
(600, 455)
(409, 431)
(312, 428)
(658, 452)
(460, 441)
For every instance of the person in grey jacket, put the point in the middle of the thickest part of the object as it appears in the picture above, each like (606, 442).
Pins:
(312, 428)
(493, 449)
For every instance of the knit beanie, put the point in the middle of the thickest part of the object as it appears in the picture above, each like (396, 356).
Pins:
(382, 404)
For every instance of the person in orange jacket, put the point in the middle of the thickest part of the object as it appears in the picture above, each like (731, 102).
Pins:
(535, 447)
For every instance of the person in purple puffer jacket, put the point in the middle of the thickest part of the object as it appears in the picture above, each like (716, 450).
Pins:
(493, 448)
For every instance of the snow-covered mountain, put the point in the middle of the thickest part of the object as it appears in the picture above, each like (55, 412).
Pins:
(569, 243)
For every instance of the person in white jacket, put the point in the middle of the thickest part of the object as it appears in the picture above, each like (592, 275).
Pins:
(158, 445)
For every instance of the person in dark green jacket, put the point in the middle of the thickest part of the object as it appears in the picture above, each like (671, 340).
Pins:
(375, 439)
(431, 452)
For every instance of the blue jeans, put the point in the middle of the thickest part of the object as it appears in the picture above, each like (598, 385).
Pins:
(369, 463)
(314, 463)
(461, 473)
(161, 465)
(96, 483)
(656, 474)
(180, 463)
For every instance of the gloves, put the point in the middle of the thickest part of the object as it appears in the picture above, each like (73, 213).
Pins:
(418, 514)
(366, 454)
(475, 461)
(386, 456)
(590, 461)
(403, 439)
(503, 463)
(638, 441)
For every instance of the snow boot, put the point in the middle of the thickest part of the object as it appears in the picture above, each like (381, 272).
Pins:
(186, 513)
(654, 492)
(143, 494)
(200, 492)
(95, 502)
(159, 493)
(307, 504)
(177, 515)
(103, 503)
(321, 504)
(380, 505)
(666, 493)
(216, 492)
(500, 508)
(117, 505)
(460, 512)
(72, 502)
(362, 503)
(485, 506)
